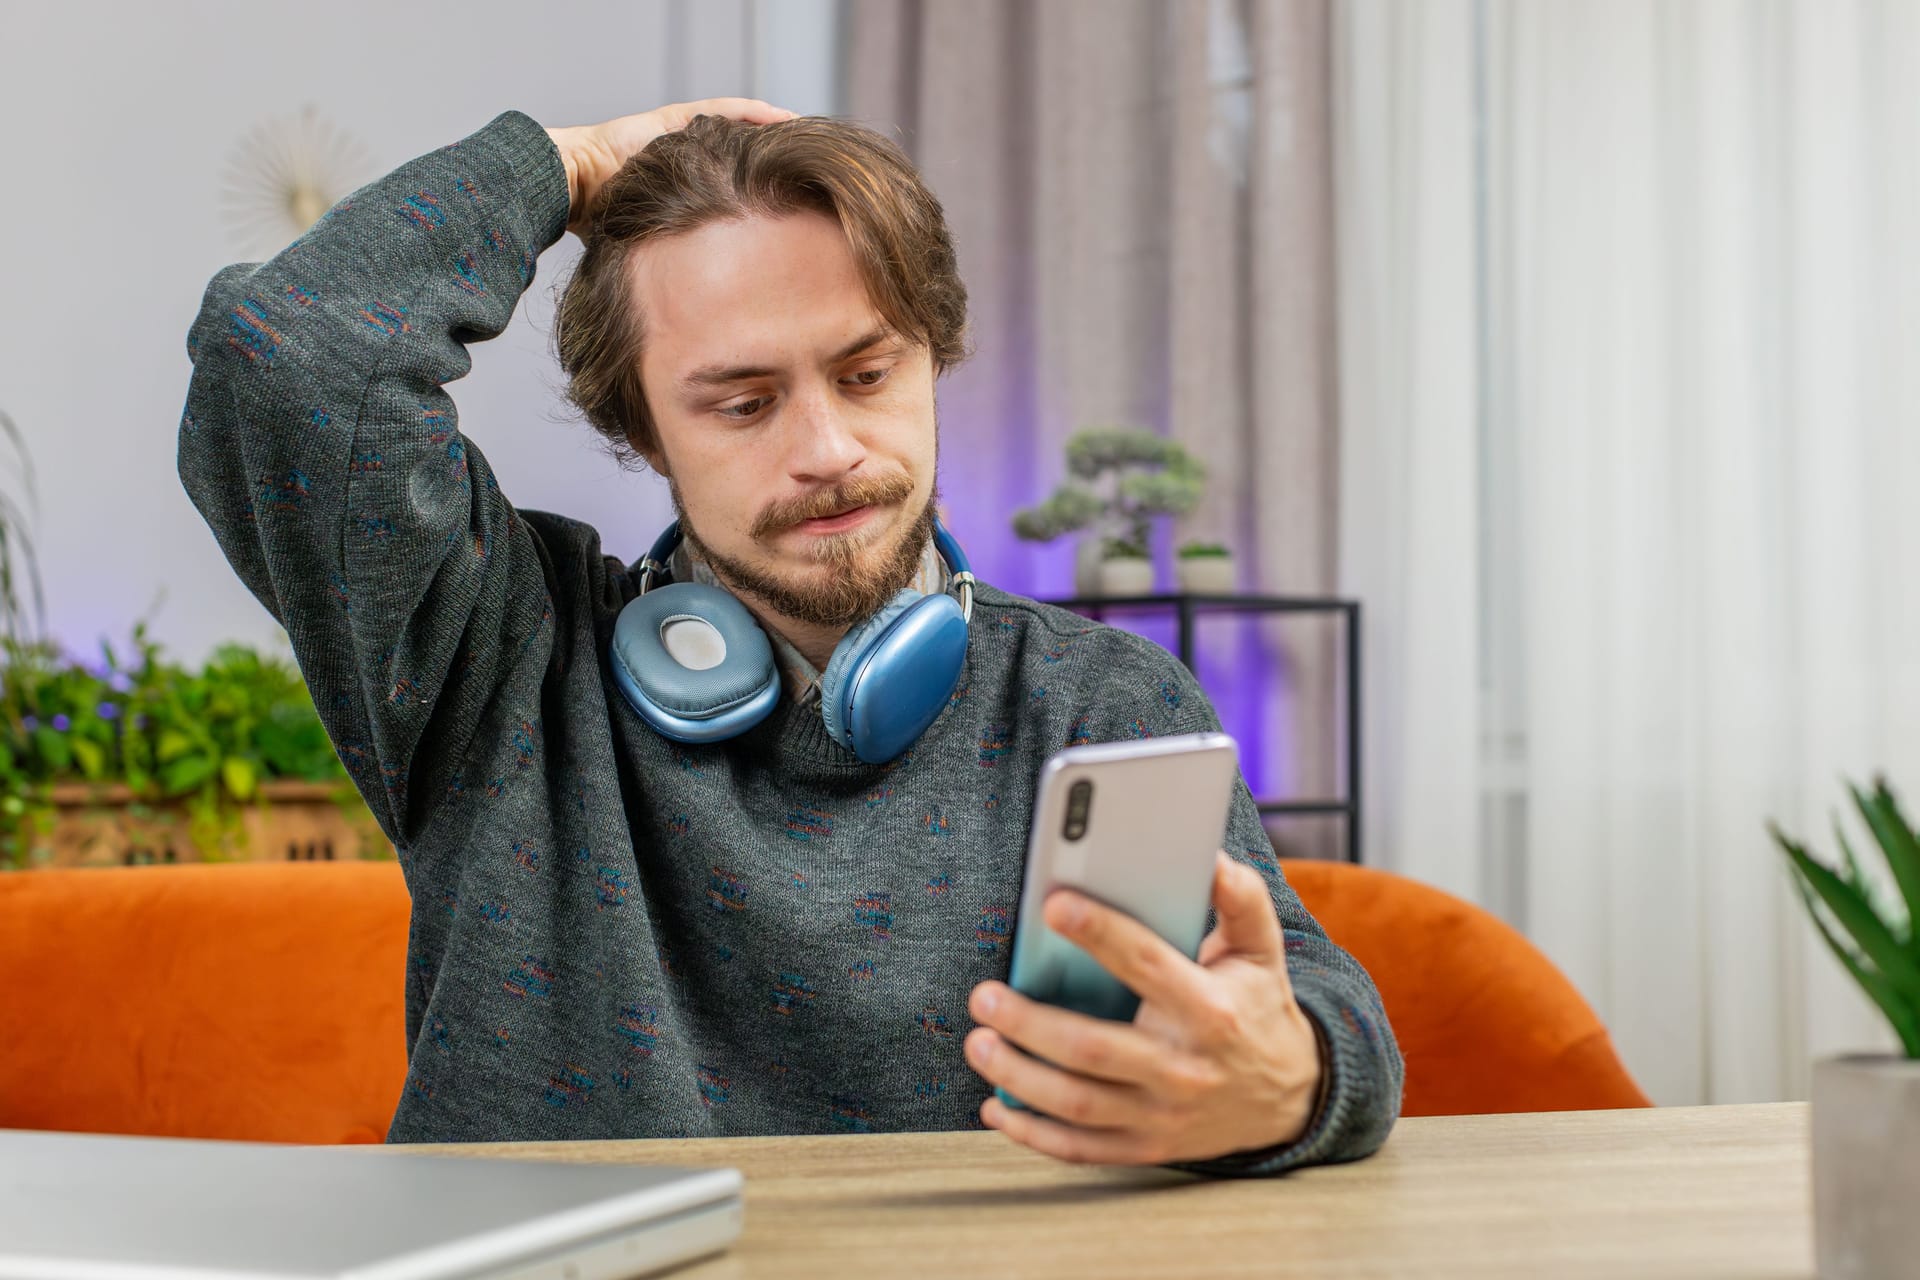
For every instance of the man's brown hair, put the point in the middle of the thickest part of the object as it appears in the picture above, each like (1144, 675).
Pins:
(716, 168)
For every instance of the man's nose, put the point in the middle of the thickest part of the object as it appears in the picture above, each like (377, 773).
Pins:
(821, 446)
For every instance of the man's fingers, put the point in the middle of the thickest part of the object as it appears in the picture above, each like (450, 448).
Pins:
(1248, 925)
(1212, 947)
(1073, 1099)
(1131, 952)
(747, 110)
(1088, 1046)
(1064, 1142)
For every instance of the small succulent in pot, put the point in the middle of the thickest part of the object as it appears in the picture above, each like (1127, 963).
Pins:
(1205, 569)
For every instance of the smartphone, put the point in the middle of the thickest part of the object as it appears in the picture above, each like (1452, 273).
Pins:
(1134, 825)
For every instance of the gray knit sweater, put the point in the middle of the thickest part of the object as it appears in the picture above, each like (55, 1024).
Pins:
(615, 935)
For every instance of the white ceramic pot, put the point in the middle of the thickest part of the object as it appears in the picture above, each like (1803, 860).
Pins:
(1086, 567)
(1866, 1163)
(1126, 577)
(1206, 575)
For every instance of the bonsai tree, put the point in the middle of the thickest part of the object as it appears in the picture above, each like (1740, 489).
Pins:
(1119, 481)
(1874, 939)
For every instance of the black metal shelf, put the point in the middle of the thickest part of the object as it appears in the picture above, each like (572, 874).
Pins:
(1188, 608)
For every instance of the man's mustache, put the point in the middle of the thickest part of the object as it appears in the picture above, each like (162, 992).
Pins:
(860, 491)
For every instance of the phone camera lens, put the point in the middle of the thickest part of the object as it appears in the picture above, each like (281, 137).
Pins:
(1079, 800)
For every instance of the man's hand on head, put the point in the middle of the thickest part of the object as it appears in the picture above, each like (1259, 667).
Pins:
(592, 153)
(1220, 1058)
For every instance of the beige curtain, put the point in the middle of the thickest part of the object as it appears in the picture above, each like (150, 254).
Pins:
(1141, 193)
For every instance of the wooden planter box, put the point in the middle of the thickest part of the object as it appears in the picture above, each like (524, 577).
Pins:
(94, 826)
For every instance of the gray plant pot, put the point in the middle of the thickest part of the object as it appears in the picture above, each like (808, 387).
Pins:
(1866, 1166)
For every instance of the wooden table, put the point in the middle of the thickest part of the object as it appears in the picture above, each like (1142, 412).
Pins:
(1693, 1191)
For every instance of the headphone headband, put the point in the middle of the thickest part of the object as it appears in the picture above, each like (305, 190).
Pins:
(655, 561)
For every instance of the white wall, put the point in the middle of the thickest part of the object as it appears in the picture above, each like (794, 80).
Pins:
(120, 122)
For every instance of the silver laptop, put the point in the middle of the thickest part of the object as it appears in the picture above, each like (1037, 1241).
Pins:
(93, 1207)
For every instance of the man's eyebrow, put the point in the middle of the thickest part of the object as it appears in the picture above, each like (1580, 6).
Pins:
(714, 375)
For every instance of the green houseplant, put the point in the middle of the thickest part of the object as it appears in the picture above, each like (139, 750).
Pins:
(181, 748)
(1119, 481)
(1866, 1108)
(191, 748)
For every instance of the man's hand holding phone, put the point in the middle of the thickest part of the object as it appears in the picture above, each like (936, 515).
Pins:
(1220, 1057)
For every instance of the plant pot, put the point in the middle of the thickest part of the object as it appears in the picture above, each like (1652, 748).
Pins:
(1126, 577)
(1206, 575)
(1086, 567)
(1866, 1162)
(101, 826)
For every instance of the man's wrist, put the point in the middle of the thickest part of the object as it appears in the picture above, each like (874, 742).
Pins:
(1323, 1092)
(1320, 1092)
(1252, 1159)
(566, 142)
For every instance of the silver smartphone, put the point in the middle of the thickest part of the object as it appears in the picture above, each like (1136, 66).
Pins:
(1134, 825)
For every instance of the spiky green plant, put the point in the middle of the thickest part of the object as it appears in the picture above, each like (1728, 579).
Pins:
(19, 567)
(1874, 938)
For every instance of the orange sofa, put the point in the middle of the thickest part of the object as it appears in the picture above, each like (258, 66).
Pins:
(263, 1001)
(1485, 1022)
(245, 1000)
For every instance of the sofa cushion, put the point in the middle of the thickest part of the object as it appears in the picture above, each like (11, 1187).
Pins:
(247, 1000)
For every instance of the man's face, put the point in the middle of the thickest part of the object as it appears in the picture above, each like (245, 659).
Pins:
(796, 429)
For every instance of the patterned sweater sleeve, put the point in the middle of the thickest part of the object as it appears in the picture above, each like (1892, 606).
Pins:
(1360, 1097)
(321, 447)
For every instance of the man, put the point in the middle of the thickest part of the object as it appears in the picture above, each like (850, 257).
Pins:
(619, 935)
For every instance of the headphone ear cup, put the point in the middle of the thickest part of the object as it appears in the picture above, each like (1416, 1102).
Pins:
(891, 679)
(850, 652)
(687, 703)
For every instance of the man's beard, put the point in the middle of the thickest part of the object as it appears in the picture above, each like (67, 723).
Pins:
(862, 577)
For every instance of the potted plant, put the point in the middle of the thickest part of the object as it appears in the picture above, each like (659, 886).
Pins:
(1205, 569)
(1866, 1108)
(112, 763)
(1125, 569)
(1120, 480)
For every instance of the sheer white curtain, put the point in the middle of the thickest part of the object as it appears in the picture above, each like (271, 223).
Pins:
(1631, 432)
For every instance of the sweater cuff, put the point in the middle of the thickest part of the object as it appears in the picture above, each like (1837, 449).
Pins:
(1351, 1117)
(533, 162)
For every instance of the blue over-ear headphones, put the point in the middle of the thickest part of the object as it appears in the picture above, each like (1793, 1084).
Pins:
(695, 665)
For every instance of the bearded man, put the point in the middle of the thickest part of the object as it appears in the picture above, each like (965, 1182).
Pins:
(622, 928)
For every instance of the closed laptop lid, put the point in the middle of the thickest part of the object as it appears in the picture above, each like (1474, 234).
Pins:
(97, 1207)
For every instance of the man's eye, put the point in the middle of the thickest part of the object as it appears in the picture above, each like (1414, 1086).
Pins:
(746, 408)
(871, 377)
